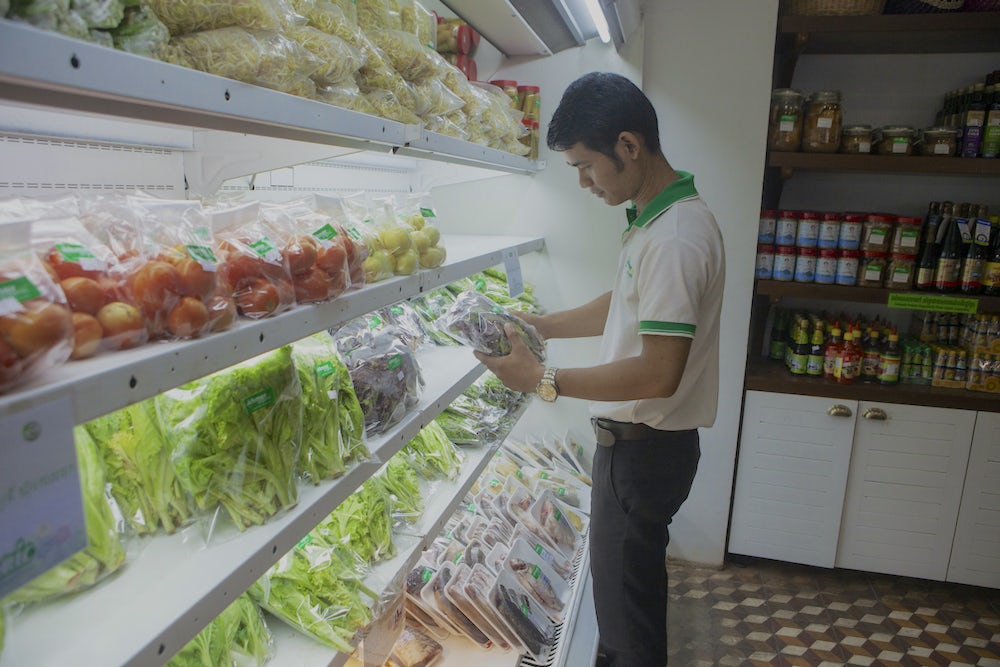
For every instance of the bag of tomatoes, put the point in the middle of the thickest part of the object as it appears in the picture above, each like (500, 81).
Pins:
(314, 247)
(351, 236)
(251, 261)
(36, 327)
(178, 283)
(105, 314)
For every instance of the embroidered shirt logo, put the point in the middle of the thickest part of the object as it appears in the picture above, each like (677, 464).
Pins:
(629, 271)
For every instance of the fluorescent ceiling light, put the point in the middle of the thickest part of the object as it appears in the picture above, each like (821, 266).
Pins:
(597, 14)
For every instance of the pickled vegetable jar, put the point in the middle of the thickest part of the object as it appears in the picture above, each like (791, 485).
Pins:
(823, 121)
(784, 128)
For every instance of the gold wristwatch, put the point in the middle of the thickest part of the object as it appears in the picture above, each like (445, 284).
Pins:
(547, 389)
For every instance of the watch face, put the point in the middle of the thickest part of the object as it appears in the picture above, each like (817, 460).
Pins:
(547, 392)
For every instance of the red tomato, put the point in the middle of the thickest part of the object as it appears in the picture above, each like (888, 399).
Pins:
(87, 334)
(221, 312)
(188, 318)
(113, 290)
(123, 325)
(83, 294)
(68, 269)
(301, 254)
(332, 258)
(11, 366)
(240, 267)
(156, 286)
(311, 286)
(257, 298)
(194, 279)
(39, 327)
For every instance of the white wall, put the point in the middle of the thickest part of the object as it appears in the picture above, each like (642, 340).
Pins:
(710, 82)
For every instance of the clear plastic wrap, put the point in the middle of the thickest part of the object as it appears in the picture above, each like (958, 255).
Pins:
(251, 261)
(407, 322)
(236, 435)
(418, 213)
(378, 74)
(416, 19)
(142, 33)
(431, 306)
(435, 591)
(178, 288)
(187, 16)
(237, 636)
(104, 14)
(359, 218)
(451, 125)
(406, 54)
(401, 482)
(104, 552)
(522, 613)
(479, 322)
(373, 14)
(140, 472)
(434, 99)
(394, 234)
(350, 234)
(387, 104)
(415, 648)
(364, 523)
(432, 455)
(340, 61)
(36, 328)
(346, 95)
(53, 15)
(332, 421)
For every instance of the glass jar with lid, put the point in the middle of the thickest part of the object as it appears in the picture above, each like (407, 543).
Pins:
(939, 141)
(896, 140)
(823, 121)
(877, 233)
(871, 269)
(784, 126)
(856, 139)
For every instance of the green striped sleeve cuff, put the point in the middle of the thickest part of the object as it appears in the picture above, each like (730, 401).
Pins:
(667, 328)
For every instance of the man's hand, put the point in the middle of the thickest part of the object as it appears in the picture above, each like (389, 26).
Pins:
(537, 321)
(520, 370)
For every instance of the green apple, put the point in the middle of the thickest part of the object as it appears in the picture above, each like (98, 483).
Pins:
(395, 239)
(406, 263)
(378, 266)
(421, 241)
(432, 233)
(416, 221)
(433, 257)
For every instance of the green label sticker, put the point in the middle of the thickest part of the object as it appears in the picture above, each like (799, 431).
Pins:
(396, 310)
(395, 361)
(426, 574)
(480, 285)
(264, 398)
(353, 232)
(561, 491)
(304, 541)
(940, 304)
(495, 483)
(375, 322)
(20, 289)
(264, 247)
(536, 572)
(325, 233)
(471, 507)
(427, 212)
(544, 475)
(203, 234)
(325, 369)
(557, 514)
(200, 253)
(525, 610)
(458, 558)
(73, 252)
(519, 474)
(539, 549)
(497, 309)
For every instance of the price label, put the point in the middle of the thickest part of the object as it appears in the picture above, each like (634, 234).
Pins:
(515, 280)
(940, 304)
(41, 509)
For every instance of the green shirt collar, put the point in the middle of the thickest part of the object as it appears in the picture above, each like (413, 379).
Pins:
(679, 190)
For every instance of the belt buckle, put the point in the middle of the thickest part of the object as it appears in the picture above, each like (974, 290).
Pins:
(605, 436)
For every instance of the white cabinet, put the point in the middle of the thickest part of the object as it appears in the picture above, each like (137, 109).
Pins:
(904, 489)
(975, 555)
(792, 472)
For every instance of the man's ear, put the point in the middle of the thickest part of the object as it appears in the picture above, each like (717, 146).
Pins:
(632, 143)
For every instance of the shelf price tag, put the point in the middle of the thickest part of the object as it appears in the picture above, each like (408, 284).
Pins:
(41, 509)
(515, 280)
(940, 304)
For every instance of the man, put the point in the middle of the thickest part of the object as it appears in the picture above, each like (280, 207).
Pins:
(657, 381)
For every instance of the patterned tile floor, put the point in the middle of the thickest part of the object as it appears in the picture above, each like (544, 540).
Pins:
(758, 612)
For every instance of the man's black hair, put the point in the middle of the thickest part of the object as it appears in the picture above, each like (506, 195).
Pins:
(596, 108)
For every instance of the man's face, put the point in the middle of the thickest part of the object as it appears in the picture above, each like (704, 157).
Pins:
(612, 181)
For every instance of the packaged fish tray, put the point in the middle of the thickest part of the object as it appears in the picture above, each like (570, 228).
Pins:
(537, 577)
(519, 610)
(551, 555)
(551, 515)
(434, 597)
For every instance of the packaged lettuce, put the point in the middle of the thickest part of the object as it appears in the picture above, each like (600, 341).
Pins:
(53, 15)
(103, 554)
(432, 454)
(237, 636)
(100, 13)
(478, 321)
(139, 469)
(401, 482)
(363, 522)
(142, 33)
(236, 435)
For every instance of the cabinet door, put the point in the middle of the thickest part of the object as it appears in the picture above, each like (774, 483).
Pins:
(791, 476)
(975, 555)
(904, 489)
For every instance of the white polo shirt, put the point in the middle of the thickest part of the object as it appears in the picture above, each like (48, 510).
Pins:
(670, 280)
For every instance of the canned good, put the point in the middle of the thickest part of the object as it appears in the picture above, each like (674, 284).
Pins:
(823, 120)
(900, 272)
(786, 228)
(829, 230)
(856, 139)
(847, 267)
(784, 125)
(510, 88)
(805, 265)
(784, 263)
(766, 226)
(764, 268)
(531, 102)
(871, 270)
(939, 141)
(906, 235)
(807, 233)
(876, 233)
(826, 266)
(896, 140)
(850, 231)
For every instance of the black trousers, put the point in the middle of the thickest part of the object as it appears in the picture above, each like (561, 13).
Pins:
(638, 487)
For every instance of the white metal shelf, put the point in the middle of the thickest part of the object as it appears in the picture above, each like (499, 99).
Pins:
(102, 384)
(293, 649)
(160, 600)
(51, 70)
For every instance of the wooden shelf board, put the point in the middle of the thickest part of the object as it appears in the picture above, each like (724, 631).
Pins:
(899, 164)
(781, 289)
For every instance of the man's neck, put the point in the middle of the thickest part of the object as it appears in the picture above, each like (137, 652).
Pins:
(658, 175)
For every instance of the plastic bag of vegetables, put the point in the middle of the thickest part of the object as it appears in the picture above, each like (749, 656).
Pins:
(432, 454)
(236, 435)
(364, 523)
(478, 321)
(53, 15)
(373, 14)
(142, 33)
(104, 552)
(100, 13)
(332, 422)
(339, 60)
(406, 54)
(430, 307)
(187, 16)
(403, 486)
(237, 636)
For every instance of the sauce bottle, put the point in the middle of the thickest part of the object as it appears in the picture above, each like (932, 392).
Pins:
(889, 361)
(975, 259)
(815, 362)
(991, 271)
(929, 248)
(870, 357)
(947, 267)
(846, 369)
(831, 353)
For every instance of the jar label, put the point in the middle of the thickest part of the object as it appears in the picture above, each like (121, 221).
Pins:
(824, 123)
(908, 238)
(864, 147)
(942, 149)
(900, 274)
(900, 144)
(787, 123)
(876, 236)
(873, 272)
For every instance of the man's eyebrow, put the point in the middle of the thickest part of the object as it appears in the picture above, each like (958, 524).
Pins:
(577, 163)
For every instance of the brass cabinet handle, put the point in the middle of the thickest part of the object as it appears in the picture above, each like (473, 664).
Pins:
(875, 413)
(839, 410)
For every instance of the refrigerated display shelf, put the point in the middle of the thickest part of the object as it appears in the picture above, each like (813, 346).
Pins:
(159, 601)
(51, 70)
(111, 381)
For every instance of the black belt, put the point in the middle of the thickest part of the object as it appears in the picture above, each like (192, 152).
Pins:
(609, 432)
